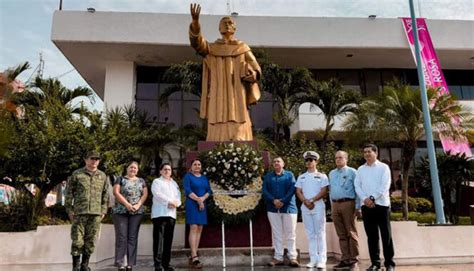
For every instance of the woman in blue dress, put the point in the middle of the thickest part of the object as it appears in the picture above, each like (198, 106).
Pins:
(197, 191)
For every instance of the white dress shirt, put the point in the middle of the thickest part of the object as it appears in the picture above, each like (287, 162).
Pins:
(164, 192)
(374, 180)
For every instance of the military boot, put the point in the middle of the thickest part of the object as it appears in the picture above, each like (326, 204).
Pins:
(76, 263)
(85, 262)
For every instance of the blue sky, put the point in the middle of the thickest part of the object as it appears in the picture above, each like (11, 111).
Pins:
(25, 25)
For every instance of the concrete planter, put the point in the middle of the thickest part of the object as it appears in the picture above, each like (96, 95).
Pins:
(50, 245)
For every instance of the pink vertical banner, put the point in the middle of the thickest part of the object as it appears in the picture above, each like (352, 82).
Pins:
(433, 76)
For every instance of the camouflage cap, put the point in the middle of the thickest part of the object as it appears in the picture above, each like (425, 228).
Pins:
(93, 154)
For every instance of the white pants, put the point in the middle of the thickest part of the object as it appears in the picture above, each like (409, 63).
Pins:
(315, 226)
(283, 233)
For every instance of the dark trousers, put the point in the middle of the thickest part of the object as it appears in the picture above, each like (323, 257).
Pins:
(126, 238)
(375, 219)
(163, 230)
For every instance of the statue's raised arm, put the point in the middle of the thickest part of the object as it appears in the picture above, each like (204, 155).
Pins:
(195, 11)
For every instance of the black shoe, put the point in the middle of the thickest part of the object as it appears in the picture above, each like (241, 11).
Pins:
(76, 263)
(373, 267)
(342, 265)
(169, 268)
(85, 262)
(390, 268)
(129, 268)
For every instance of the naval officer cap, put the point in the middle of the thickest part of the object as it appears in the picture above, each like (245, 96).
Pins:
(311, 154)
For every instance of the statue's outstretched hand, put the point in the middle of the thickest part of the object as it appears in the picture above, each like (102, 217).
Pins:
(195, 11)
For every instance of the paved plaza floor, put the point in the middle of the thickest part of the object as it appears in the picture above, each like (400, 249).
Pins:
(456, 267)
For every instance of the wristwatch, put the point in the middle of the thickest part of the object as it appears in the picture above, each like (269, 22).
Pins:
(372, 199)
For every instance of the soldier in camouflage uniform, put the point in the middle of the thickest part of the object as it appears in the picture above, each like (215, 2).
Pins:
(86, 204)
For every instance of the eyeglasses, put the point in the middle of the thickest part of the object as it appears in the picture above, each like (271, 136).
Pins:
(309, 160)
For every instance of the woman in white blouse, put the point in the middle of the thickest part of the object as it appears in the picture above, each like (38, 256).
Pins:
(166, 198)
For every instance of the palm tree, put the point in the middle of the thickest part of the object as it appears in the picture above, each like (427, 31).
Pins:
(185, 77)
(397, 113)
(128, 133)
(46, 89)
(333, 101)
(288, 87)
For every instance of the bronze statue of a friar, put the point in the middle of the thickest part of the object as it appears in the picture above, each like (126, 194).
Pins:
(229, 83)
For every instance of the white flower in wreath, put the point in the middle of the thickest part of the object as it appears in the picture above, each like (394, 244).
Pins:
(225, 171)
(250, 175)
(210, 153)
(235, 174)
(213, 169)
(255, 167)
(239, 168)
(227, 165)
(236, 183)
(219, 153)
(242, 172)
(245, 159)
(222, 181)
(238, 149)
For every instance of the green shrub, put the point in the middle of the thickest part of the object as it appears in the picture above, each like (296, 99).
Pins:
(425, 218)
(22, 213)
(421, 205)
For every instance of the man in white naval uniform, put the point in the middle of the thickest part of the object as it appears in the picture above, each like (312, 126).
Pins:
(311, 187)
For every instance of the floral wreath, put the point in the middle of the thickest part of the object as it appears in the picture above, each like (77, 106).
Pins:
(234, 172)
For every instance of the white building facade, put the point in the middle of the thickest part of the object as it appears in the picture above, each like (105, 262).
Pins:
(123, 56)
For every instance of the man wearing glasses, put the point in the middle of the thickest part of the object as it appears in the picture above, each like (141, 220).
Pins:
(86, 205)
(311, 188)
(345, 208)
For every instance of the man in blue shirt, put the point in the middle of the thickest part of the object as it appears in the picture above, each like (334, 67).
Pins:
(279, 193)
(345, 208)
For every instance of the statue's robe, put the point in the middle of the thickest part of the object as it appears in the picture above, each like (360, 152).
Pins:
(225, 97)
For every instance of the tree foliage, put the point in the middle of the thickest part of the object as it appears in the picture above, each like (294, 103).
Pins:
(455, 172)
(396, 114)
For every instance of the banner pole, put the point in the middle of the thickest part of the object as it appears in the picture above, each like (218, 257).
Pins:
(438, 201)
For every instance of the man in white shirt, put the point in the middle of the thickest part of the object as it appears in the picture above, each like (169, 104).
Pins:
(372, 186)
(311, 188)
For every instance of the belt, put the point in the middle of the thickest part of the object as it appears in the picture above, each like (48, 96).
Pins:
(342, 200)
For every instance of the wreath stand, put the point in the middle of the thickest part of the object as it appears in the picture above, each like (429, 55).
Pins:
(251, 244)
